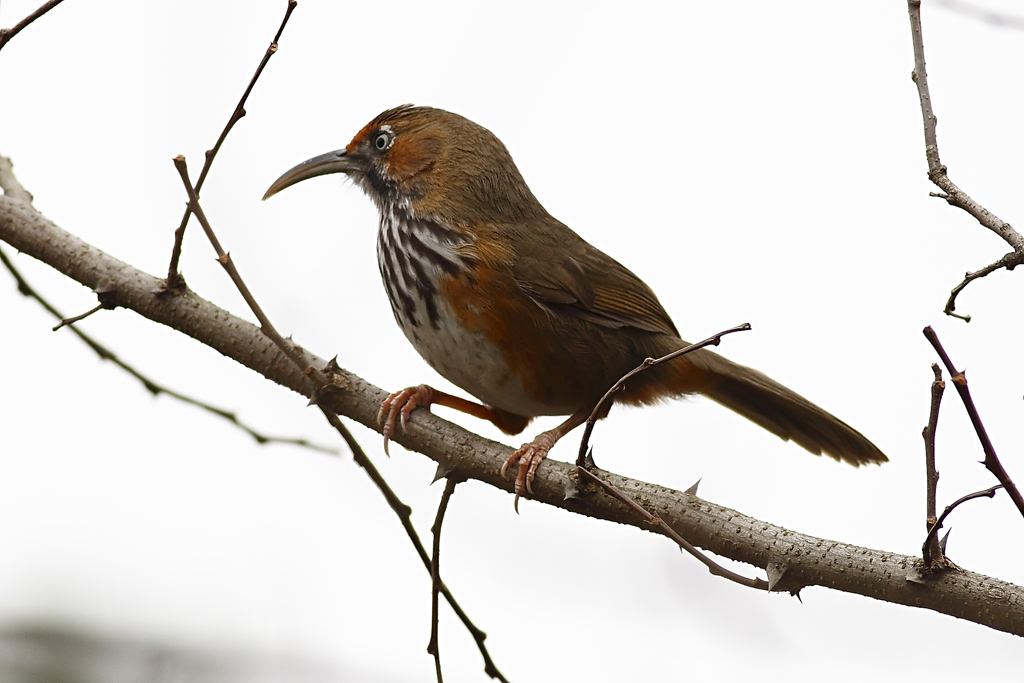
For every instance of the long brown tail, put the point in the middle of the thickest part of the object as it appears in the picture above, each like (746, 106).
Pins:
(781, 411)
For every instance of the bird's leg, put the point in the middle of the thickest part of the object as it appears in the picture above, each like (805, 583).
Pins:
(530, 455)
(400, 404)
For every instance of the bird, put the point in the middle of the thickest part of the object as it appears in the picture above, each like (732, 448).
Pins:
(517, 309)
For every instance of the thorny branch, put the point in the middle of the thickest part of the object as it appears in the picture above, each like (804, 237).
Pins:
(938, 175)
(584, 461)
(435, 574)
(581, 458)
(659, 525)
(174, 279)
(13, 189)
(991, 461)
(404, 513)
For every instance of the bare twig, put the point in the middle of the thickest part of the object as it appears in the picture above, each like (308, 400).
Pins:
(75, 318)
(581, 458)
(404, 513)
(320, 382)
(435, 574)
(932, 551)
(933, 530)
(173, 277)
(13, 188)
(584, 461)
(7, 33)
(152, 386)
(224, 259)
(657, 523)
(1009, 261)
(937, 172)
(991, 461)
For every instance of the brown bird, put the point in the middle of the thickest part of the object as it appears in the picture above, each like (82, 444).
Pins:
(517, 309)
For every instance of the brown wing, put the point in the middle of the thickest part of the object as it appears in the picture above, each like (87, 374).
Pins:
(560, 271)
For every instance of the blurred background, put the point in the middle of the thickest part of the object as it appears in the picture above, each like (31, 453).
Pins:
(752, 162)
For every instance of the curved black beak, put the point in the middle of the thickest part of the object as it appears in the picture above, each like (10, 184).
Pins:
(337, 161)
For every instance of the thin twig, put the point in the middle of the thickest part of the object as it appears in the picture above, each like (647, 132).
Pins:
(1008, 261)
(655, 521)
(931, 538)
(435, 574)
(75, 318)
(991, 461)
(320, 382)
(581, 457)
(152, 386)
(7, 33)
(14, 189)
(932, 551)
(173, 277)
(404, 513)
(224, 259)
(937, 172)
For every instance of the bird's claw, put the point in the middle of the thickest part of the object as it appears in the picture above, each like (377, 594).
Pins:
(528, 458)
(398, 406)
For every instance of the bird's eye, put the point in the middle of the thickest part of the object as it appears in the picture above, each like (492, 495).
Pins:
(382, 141)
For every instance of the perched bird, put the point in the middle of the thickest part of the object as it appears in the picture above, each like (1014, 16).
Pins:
(517, 309)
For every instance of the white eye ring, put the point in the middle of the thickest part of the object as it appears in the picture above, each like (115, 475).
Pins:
(382, 140)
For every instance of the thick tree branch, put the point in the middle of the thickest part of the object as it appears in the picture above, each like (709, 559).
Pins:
(806, 560)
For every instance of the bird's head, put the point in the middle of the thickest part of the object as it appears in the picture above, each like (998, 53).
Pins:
(430, 162)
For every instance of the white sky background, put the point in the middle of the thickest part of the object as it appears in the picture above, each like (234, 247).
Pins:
(752, 161)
